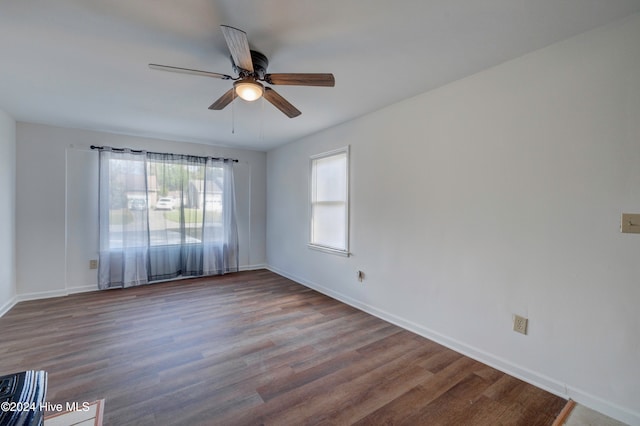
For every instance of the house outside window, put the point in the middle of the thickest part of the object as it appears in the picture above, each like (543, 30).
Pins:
(329, 201)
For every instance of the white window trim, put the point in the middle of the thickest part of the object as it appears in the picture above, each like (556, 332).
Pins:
(319, 247)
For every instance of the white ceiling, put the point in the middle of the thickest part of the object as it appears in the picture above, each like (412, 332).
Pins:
(83, 63)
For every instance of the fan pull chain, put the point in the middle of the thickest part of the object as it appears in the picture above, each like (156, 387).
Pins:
(261, 134)
(233, 115)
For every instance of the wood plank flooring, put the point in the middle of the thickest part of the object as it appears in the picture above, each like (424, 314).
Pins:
(253, 348)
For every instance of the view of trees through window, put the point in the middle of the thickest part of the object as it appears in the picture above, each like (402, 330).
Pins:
(175, 200)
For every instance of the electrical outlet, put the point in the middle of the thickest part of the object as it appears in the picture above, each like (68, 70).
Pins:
(93, 264)
(520, 324)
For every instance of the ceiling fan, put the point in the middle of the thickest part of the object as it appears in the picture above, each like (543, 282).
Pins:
(251, 67)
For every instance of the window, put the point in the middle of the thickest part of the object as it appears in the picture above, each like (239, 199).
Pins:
(329, 230)
(164, 199)
(163, 216)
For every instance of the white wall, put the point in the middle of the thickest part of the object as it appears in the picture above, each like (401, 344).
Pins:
(7, 211)
(57, 204)
(498, 194)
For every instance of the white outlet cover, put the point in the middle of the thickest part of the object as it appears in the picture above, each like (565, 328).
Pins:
(520, 324)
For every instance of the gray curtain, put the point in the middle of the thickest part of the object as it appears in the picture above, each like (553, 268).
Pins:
(164, 216)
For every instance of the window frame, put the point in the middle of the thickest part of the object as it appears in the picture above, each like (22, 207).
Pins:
(314, 245)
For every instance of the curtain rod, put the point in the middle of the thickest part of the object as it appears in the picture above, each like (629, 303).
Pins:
(139, 151)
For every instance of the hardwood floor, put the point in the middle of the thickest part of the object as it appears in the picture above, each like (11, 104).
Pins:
(253, 348)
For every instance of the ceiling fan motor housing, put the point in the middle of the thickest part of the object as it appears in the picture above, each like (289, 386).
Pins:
(260, 64)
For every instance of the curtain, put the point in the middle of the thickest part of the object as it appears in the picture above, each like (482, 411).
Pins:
(164, 216)
(124, 227)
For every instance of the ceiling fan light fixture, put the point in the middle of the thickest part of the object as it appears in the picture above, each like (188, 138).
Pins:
(248, 89)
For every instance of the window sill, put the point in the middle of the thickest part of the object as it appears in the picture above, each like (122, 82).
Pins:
(338, 252)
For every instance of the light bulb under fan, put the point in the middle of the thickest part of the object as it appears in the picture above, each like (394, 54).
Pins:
(248, 89)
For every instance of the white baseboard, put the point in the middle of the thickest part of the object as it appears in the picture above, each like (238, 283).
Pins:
(253, 267)
(547, 383)
(33, 296)
(8, 305)
(82, 289)
(36, 295)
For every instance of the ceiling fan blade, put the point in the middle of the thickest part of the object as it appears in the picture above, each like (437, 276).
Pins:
(281, 103)
(238, 46)
(189, 71)
(293, 79)
(223, 100)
